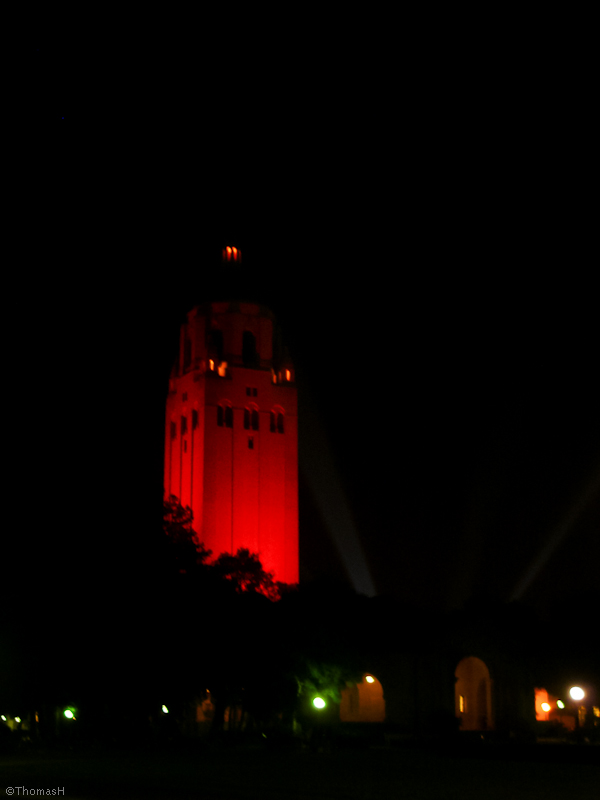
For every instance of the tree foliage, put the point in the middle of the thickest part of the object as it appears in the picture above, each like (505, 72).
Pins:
(188, 552)
(243, 570)
(326, 678)
(246, 573)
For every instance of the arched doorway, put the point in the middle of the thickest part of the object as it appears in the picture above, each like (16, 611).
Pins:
(363, 702)
(473, 695)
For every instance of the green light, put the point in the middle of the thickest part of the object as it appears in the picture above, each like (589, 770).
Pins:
(17, 719)
(165, 710)
(318, 702)
(560, 704)
(68, 713)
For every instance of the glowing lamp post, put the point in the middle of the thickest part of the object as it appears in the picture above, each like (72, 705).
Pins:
(577, 694)
(319, 703)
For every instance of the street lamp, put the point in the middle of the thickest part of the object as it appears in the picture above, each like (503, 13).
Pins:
(578, 694)
(318, 702)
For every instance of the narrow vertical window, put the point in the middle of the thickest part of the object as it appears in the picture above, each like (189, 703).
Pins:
(220, 416)
(229, 417)
(249, 354)
(251, 442)
(279, 423)
(215, 345)
(254, 419)
(272, 426)
(247, 418)
(183, 426)
(194, 419)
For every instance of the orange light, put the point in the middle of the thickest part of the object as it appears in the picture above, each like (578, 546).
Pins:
(235, 253)
(211, 364)
(546, 707)
(228, 250)
(541, 699)
(288, 375)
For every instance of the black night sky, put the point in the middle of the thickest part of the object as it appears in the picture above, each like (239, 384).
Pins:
(448, 408)
(435, 288)
(448, 405)
(448, 413)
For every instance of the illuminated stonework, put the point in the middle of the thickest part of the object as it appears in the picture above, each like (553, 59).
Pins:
(473, 695)
(363, 702)
(231, 439)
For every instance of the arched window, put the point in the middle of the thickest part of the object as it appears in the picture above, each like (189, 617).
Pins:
(473, 695)
(251, 418)
(224, 415)
(276, 424)
(215, 345)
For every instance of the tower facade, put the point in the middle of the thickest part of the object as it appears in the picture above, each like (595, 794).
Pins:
(231, 438)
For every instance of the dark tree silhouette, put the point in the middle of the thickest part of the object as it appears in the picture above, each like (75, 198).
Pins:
(188, 552)
(246, 572)
(243, 570)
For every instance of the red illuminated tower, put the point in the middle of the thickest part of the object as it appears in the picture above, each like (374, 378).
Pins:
(231, 444)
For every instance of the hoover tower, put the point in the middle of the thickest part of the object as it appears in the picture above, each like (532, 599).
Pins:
(231, 439)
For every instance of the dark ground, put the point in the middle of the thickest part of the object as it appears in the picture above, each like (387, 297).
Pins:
(534, 773)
